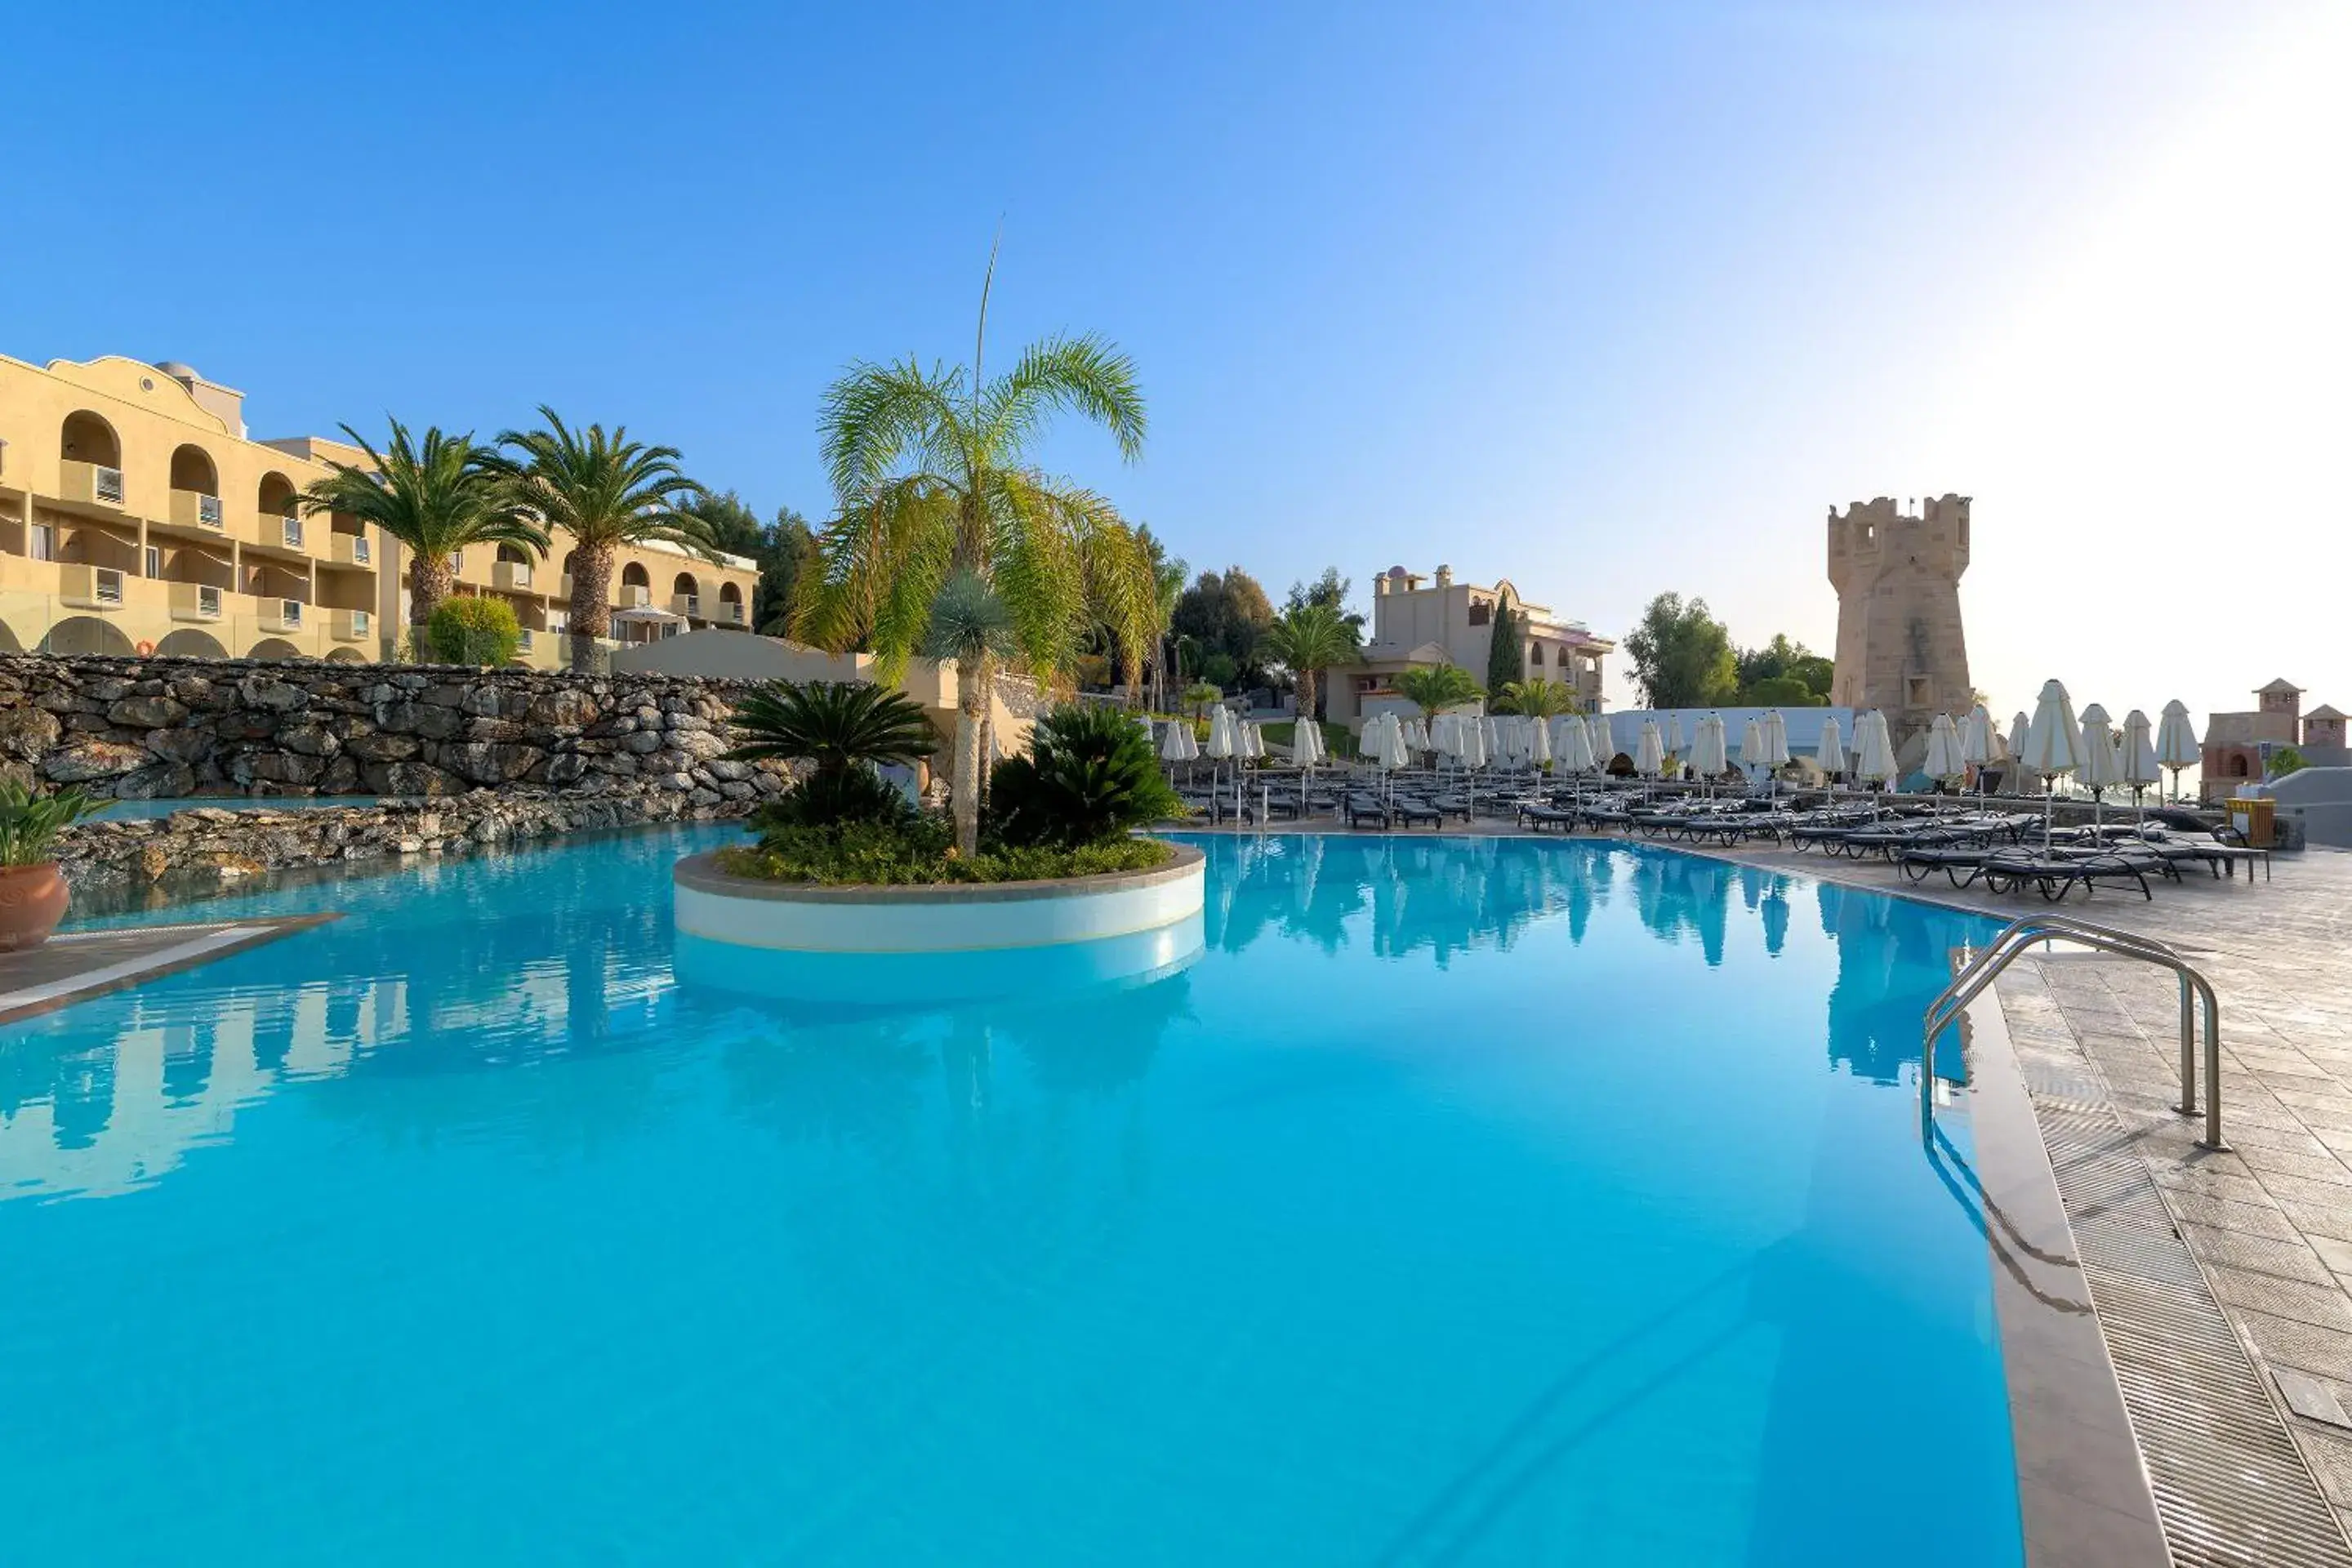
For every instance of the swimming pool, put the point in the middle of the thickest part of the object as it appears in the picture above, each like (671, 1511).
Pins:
(1465, 1200)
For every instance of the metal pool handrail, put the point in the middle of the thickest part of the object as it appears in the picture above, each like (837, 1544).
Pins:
(2013, 941)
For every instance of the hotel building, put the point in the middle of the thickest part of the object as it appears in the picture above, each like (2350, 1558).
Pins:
(137, 516)
(1429, 621)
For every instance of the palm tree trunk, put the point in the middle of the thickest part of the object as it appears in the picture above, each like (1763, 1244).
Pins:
(1307, 696)
(971, 709)
(430, 579)
(591, 615)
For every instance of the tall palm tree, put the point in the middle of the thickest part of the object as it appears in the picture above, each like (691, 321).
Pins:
(606, 491)
(436, 498)
(1168, 576)
(932, 468)
(1310, 638)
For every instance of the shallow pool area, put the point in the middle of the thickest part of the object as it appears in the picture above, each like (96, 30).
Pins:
(1457, 1200)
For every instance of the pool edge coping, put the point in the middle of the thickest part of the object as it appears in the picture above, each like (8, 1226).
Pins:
(205, 940)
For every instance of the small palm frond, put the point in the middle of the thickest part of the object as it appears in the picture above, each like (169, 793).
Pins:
(1083, 376)
(877, 418)
(836, 724)
(968, 622)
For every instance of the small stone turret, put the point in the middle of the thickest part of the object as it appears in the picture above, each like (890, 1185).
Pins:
(1900, 644)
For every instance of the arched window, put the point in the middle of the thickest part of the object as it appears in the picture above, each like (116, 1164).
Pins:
(275, 498)
(635, 577)
(517, 556)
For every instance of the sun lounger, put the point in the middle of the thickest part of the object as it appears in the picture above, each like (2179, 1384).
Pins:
(1536, 817)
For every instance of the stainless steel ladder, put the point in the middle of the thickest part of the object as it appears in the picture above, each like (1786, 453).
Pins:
(1985, 967)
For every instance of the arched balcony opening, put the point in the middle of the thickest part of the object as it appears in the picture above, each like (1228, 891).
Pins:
(510, 569)
(195, 490)
(92, 458)
(685, 596)
(730, 605)
(281, 520)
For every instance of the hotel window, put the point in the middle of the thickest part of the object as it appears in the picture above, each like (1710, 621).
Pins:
(45, 541)
(1478, 608)
(155, 560)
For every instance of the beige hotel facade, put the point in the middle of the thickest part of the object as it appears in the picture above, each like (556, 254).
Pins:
(137, 516)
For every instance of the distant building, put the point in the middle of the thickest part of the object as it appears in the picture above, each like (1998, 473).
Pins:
(2238, 745)
(1418, 621)
(1900, 644)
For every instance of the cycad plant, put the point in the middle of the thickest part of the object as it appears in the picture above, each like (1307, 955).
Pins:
(935, 474)
(606, 491)
(1089, 775)
(436, 498)
(846, 729)
(1309, 640)
(1436, 687)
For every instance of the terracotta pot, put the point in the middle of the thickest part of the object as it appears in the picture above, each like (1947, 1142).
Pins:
(32, 902)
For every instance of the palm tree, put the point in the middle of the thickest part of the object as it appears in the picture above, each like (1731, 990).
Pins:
(606, 491)
(933, 472)
(1536, 699)
(1435, 687)
(1168, 576)
(436, 498)
(1310, 637)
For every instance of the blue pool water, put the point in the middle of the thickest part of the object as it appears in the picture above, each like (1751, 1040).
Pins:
(1465, 1200)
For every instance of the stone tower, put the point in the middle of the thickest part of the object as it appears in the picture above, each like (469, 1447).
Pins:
(1900, 646)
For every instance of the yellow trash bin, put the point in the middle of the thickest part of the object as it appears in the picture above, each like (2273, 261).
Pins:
(2255, 818)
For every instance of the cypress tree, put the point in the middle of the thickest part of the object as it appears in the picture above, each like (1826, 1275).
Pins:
(1506, 660)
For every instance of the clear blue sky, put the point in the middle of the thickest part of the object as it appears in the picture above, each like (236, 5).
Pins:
(1610, 299)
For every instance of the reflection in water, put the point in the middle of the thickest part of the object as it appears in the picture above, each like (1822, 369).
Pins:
(107, 1097)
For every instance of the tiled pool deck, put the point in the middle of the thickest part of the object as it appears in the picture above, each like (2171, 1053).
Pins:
(2268, 1224)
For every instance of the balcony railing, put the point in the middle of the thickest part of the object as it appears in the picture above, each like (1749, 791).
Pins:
(523, 641)
(289, 533)
(353, 550)
(686, 604)
(91, 483)
(563, 586)
(91, 587)
(281, 615)
(731, 612)
(635, 595)
(194, 508)
(510, 575)
(350, 625)
(194, 601)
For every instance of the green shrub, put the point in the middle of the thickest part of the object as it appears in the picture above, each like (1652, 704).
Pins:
(2284, 761)
(1090, 775)
(855, 794)
(919, 851)
(470, 628)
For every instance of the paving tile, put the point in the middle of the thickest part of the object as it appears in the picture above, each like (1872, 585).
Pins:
(2323, 1305)
(2295, 1259)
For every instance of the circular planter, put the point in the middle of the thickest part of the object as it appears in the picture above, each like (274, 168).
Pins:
(922, 945)
(32, 899)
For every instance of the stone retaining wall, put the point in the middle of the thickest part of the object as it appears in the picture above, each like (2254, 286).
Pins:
(144, 729)
(203, 844)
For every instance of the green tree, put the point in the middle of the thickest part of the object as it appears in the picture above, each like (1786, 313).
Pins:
(785, 549)
(436, 498)
(1507, 653)
(1226, 612)
(1433, 687)
(1330, 590)
(1311, 638)
(933, 470)
(1797, 676)
(606, 491)
(1681, 655)
(2282, 761)
(1536, 699)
